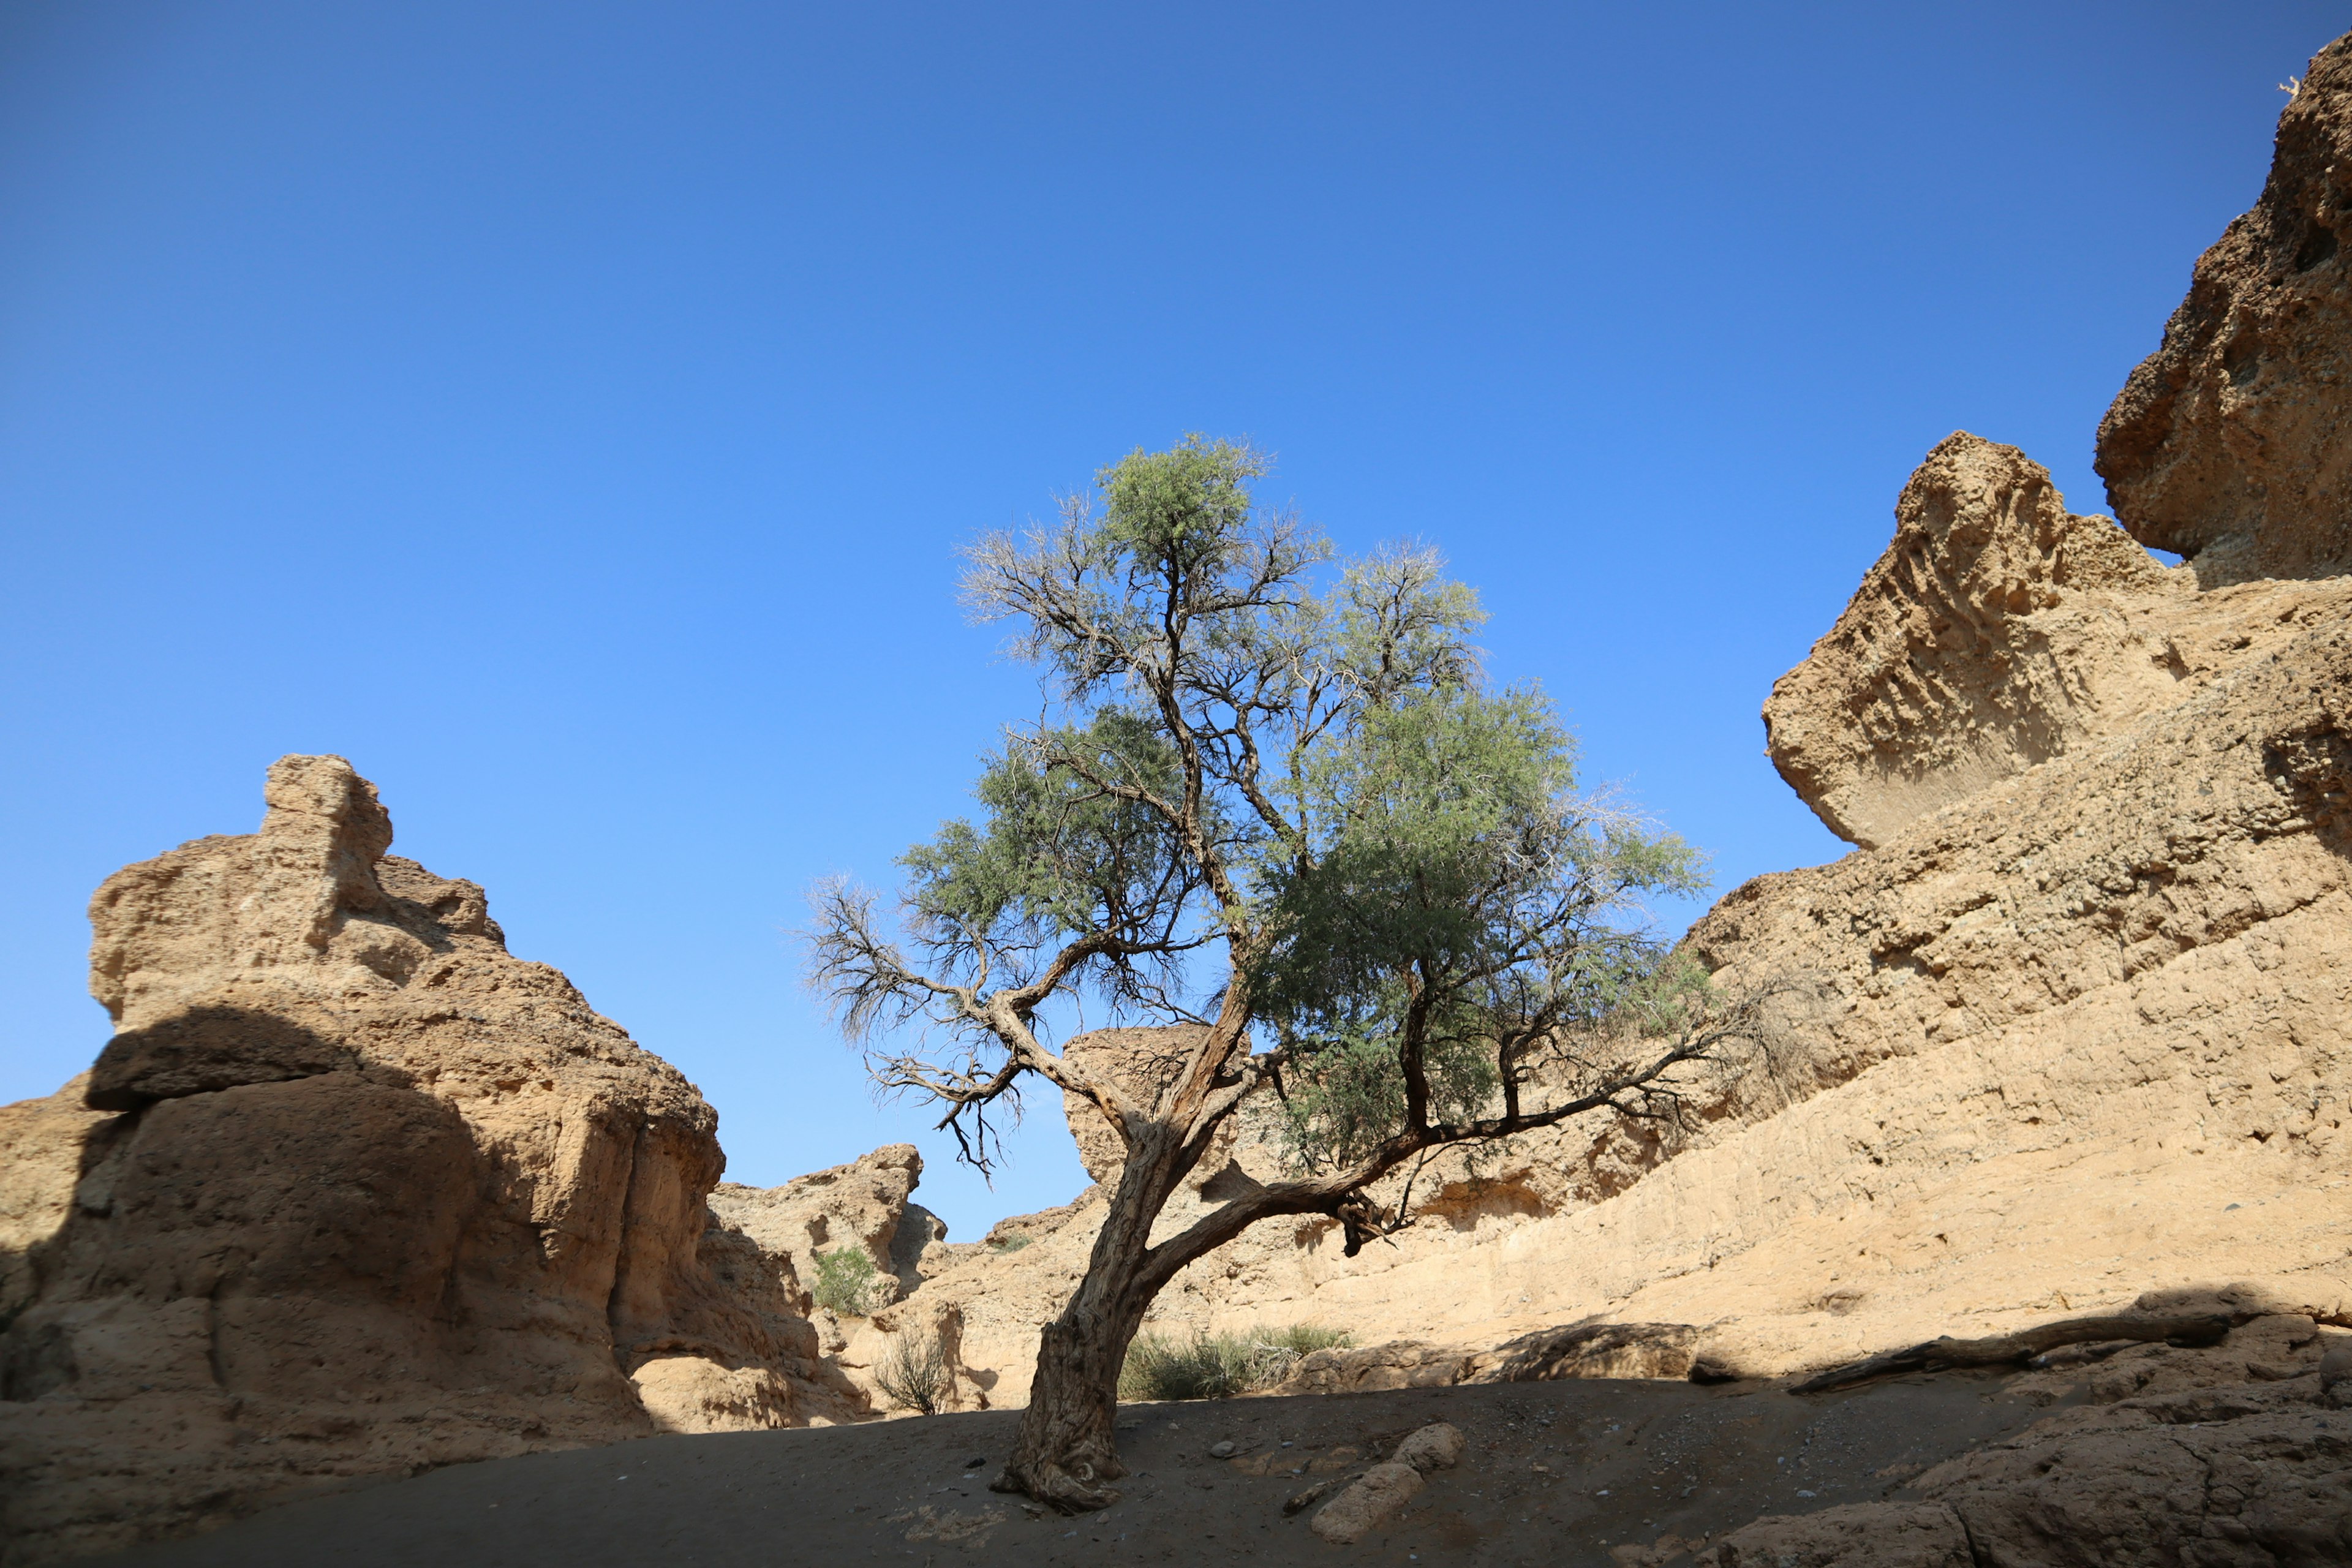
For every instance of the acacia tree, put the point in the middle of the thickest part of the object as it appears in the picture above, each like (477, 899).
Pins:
(1273, 797)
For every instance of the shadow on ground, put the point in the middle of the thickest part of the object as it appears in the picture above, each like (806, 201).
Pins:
(1557, 1473)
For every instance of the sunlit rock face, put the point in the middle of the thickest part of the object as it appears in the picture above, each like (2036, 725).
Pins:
(2233, 443)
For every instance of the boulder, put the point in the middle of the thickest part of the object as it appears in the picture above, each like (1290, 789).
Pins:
(1856, 1535)
(2232, 442)
(1436, 1446)
(352, 1191)
(1366, 1503)
(1143, 1061)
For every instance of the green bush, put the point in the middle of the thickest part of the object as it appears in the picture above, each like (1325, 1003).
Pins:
(1219, 1365)
(914, 1371)
(1013, 1243)
(847, 1284)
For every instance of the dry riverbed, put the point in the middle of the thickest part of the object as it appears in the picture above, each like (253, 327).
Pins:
(1573, 1472)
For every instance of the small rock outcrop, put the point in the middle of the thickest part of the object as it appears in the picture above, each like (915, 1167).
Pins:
(1144, 1060)
(864, 1203)
(2229, 1455)
(1997, 631)
(2233, 443)
(351, 1191)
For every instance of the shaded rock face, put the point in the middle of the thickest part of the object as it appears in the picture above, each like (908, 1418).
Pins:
(351, 1190)
(2227, 1456)
(2233, 443)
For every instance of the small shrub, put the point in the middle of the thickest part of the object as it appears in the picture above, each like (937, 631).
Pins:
(1013, 1243)
(914, 1373)
(846, 1282)
(1219, 1365)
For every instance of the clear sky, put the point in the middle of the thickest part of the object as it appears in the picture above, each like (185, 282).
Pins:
(569, 412)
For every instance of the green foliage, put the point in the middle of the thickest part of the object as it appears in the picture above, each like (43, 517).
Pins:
(1192, 502)
(1054, 857)
(847, 1284)
(1013, 1243)
(914, 1373)
(1207, 1365)
(1464, 905)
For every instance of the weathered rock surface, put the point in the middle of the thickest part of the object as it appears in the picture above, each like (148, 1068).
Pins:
(864, 1204)
(2221, 1455)
(351, 1191)
(2233, 443)
(1997, 631)
(1366, 1503)
(1143, 1061)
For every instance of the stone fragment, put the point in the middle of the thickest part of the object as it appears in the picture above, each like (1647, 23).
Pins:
(1436, 1446)
(1366, 1504)
(1858, 1535)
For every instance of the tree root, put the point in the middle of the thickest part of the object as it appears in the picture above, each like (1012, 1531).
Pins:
(1062, 1491)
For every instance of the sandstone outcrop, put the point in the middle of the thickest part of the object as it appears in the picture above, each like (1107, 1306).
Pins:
(1997, 631)
(2233, 443)
(351, 1191)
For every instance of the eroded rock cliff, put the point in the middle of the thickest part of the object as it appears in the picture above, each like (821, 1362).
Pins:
(2233, 443)
(351, 1190)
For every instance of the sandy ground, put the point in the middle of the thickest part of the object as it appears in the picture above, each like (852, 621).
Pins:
(1556, 1473)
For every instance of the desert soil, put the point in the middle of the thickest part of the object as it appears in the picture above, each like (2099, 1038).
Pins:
(1556, 1473)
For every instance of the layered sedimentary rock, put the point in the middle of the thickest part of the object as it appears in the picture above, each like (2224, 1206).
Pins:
(2233, 443)
(1996, 632)
(351, 1190)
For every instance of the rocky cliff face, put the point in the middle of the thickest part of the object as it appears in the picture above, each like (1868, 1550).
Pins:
(2230, 444)
(351, 1190)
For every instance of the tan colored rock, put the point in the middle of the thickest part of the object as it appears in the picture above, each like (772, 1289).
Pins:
(864, 1203)
(1366, 1503)
(1997, 631)
(1143, 1061)
(1858, 1535)
(2233, 443)
(354, 1191)
(1436, 1446)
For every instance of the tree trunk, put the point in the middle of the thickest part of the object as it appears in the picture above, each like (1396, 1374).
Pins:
(1064, 1452)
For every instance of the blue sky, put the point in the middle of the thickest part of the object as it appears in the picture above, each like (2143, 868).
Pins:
(569, 413)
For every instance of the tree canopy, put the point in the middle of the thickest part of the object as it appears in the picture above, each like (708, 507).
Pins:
(1268, 774)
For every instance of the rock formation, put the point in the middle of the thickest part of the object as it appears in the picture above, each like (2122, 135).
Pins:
(2233, 443)
(2227, 1455)
(351, 1191)
(1996, 632)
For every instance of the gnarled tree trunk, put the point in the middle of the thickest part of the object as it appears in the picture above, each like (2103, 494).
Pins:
(1065, 1453)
